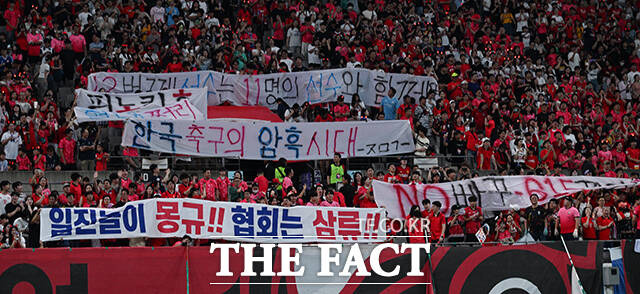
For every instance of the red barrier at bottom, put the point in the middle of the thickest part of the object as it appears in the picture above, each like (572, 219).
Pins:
(93, 270)
(544, 268)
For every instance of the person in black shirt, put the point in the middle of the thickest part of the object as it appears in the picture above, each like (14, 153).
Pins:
(348, 190)
(15, 208)
(534, 216)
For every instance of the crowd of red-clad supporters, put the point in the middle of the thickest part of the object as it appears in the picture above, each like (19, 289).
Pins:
(543, 87)
(599, 215)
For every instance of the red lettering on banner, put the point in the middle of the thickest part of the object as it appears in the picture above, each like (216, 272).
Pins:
(413, 199)
(445, 197)
(326, 142)
(564, 182)
(542, 195)
(169, 212)
(550, 184)
(215, 142)
(335, 141)
(313, 142)
(190, 224)
(240, 138)
(217, 226)
(351, 144)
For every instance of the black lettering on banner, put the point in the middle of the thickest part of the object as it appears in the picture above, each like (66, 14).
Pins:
(386, 148)
(396, 143)
(148, 99)
(224, 88)
(473, 188)
(381, 87)
(153, 83)
(132, 85)
(271, 85)
(404, 90)
(348, 80)
(460, 193)
(587, 183)
(271, 99)
(371, 150)
(500, 186)
(287, 95)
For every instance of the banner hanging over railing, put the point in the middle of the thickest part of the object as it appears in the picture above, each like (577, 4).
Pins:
(182, 110)
(297, 87)
(265, 140)
(201, 219)
(493, 193)
(127, 102)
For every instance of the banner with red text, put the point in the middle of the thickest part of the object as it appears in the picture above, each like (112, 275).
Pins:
(265, 140)
(182, 110)
(202, 219)
(126, 102)
(493, 193)
(319, 86)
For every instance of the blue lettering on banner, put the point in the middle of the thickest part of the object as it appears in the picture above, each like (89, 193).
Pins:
(81, 221)
(265, 150)
(110, 222)
(335, 86)
(60, 222)
(290, 223)
(292, 140)
(242, 221)
(315, 87)
(267, 221)
(140, 132)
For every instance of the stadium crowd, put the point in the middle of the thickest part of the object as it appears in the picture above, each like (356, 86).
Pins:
(543, 87)
(594, 215)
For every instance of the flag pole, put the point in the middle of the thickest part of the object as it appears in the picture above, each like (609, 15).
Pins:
(573, 267)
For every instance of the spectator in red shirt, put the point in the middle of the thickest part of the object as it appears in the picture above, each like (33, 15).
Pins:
(455, 223)
(341, 110)
(588, 224)
(473, 220)
(485, 157)
(437, 223)
(415, 226)
(605, 222)
(391, 176)
(67, 147)
(39, 160)
(101, 158)
(404, 170)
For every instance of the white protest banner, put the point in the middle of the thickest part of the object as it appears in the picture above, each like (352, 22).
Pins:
(493, 193)
(124, 102)
(297, 87)
(266, 140)
(202, 219)
(182, 110)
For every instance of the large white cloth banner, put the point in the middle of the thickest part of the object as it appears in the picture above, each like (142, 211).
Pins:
(296, 87)
(182, 110)
(126, 102)
(201, 219)
(266, 140)
(493, 193)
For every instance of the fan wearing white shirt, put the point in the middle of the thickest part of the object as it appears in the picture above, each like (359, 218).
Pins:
(11, 141)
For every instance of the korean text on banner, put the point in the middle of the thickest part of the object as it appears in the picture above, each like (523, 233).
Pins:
(201, 219)
(182, 110)
(264, 140)
(125, 102)
(493, 193)
(297, 87)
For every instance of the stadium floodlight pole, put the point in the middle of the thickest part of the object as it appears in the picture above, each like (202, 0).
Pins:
(573, 267)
